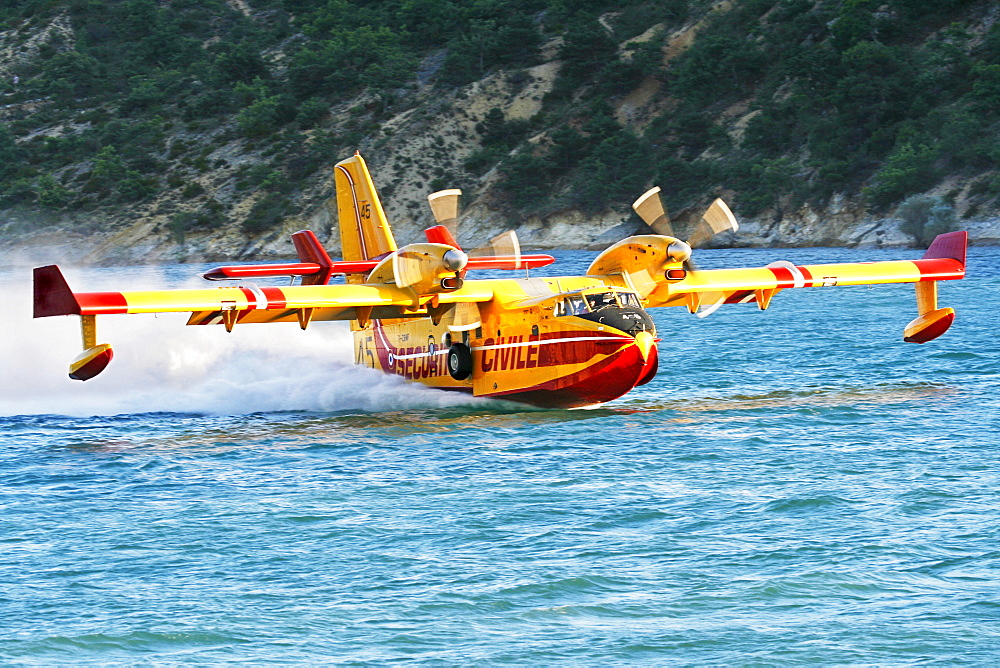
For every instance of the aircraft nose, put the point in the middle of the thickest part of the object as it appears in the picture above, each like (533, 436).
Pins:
(645, 342)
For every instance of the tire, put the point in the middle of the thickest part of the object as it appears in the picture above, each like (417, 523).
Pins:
(459, 361)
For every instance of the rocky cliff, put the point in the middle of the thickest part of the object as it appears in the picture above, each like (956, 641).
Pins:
(418, 139)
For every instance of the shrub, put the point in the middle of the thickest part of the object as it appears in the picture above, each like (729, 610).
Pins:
(135, 186)
(259, 119)
(51, 193)
(265, 214)
(311, 112)
(924, 217)
(909, 168)
(192, 189)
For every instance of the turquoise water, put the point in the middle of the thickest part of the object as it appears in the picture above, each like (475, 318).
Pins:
(795, 486)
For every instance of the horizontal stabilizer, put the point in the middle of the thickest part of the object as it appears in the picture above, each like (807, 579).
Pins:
(305, 269)
(510, 263)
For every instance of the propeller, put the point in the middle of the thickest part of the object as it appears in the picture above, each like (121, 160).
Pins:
(717, 219)
(503, 247)
(444, 206)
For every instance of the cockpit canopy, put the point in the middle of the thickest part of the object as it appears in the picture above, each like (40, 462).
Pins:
(579, 304)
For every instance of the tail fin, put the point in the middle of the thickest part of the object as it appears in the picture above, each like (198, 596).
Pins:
(310, 250)
(364, 230)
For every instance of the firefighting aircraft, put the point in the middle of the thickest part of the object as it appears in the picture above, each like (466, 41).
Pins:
(562, 342)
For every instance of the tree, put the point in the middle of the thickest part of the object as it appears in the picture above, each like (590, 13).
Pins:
(51, 193)
(924, 217)
(910, 168)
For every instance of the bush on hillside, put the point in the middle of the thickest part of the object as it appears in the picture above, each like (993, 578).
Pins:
(924, 217)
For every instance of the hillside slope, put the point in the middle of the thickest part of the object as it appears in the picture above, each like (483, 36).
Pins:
(141, 131)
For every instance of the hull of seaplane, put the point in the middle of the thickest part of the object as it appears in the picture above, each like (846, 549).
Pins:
(533, 357)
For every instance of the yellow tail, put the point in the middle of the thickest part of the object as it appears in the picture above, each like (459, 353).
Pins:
(364, 230)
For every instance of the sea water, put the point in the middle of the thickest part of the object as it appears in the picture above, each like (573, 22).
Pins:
(795, 486)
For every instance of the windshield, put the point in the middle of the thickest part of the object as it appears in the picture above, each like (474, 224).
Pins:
(629, 299)
(581, 304)
(601, 300)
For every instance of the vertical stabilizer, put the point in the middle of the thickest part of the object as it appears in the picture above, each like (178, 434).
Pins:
(364, 230)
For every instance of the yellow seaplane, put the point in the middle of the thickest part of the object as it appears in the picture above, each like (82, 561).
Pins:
(562, 342)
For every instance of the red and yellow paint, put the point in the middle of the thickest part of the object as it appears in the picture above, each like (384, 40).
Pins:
(519, 339)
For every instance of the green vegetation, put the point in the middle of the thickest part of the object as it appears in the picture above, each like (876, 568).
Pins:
(855, 96)
(925, 217)
(876, 97)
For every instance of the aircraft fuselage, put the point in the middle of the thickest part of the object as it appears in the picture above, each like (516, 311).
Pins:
(561, 343)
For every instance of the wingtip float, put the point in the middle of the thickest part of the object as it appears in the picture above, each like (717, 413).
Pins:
(563, 342)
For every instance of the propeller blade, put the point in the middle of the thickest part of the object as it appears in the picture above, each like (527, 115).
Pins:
(503, 246)
(444, 206)
(704, 302)
(717, 219)
(713, 300)
(409, 267)
(650, 209)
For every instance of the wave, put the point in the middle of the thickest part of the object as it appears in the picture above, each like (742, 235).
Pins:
(161, 365)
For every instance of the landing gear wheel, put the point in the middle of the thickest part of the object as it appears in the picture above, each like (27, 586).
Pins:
(459, 361)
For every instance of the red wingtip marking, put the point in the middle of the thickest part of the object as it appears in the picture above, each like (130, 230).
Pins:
(52, 293)
(952, 245)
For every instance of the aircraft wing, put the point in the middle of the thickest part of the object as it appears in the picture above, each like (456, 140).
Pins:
(703, 291)
(246, 303)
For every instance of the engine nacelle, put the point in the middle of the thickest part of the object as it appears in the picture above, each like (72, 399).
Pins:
(645, 261)
(426, 268)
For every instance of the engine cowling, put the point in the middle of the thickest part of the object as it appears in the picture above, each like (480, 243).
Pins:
(645, 261)
(426, 268)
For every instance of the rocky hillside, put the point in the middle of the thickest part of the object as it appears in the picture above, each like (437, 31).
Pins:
(144, 131)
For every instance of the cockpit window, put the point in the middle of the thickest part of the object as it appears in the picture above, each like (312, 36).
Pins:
(629, 299)
(581, 304)
(575, 305)
(601, 299)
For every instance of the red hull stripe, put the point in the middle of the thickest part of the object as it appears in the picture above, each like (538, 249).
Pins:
(101, 303)
(520, 352)
(547, 336)
(608, 379)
